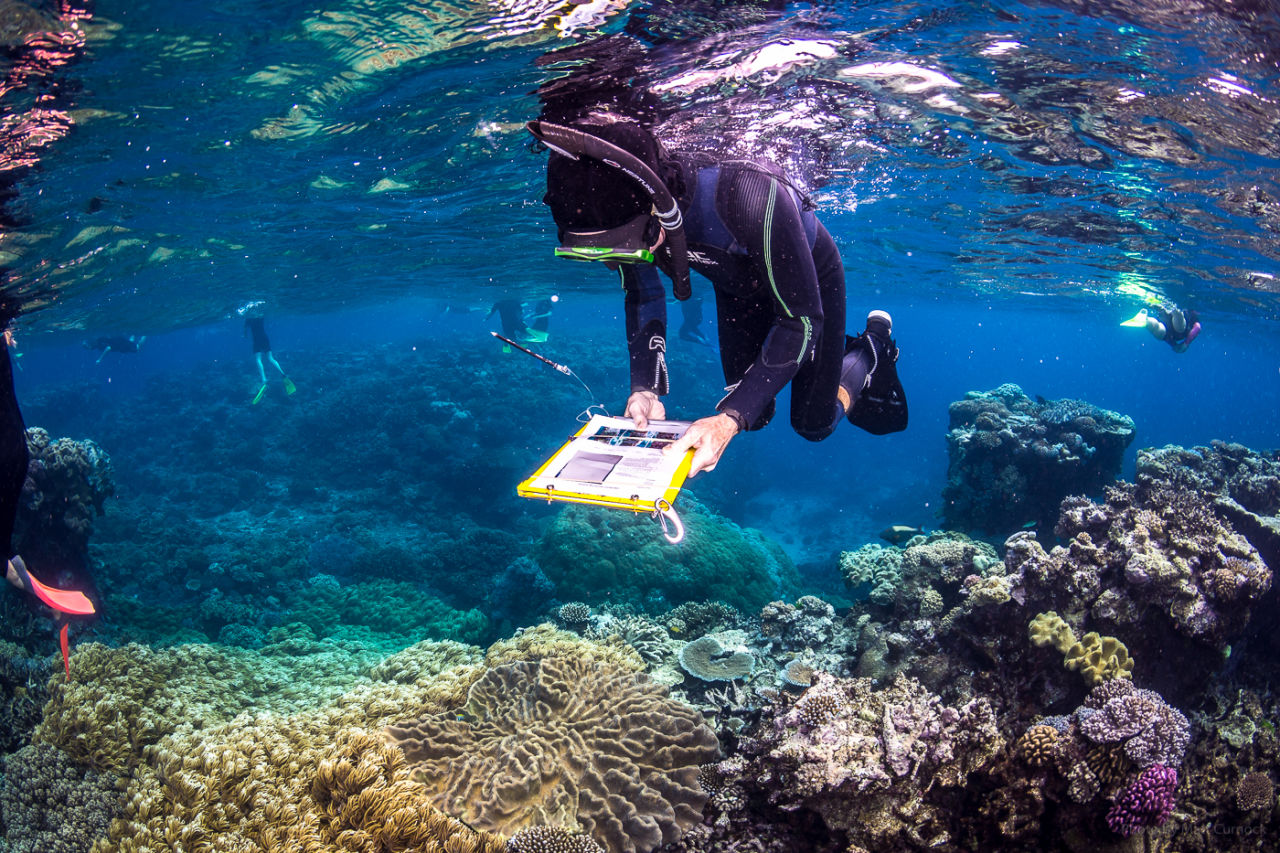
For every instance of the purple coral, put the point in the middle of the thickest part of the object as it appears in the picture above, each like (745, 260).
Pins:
(1152, 732)
(1147, 801)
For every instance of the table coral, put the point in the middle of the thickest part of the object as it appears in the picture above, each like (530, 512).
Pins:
(565, 742)
(707, 659)
(1151, 731)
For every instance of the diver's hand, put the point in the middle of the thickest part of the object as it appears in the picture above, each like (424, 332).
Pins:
(708, 437)
(644, 406)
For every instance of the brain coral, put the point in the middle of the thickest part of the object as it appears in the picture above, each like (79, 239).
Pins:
(569, 743)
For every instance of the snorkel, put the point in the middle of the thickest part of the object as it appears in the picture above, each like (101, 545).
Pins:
(573, 143)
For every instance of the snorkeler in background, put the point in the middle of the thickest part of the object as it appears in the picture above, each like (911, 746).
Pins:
(255, 326)
(540, 317)
(1171, 324)
(521, 323)
(115, 343)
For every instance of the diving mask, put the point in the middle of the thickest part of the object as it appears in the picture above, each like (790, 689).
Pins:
(625, 244)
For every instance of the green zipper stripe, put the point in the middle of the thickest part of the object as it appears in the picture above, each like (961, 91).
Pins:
(768, 264)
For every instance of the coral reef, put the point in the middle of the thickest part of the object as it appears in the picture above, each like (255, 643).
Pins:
(548, 641)
(49, 805)
(1146, 555)
(1146, 801)
(236, 748)
(23, 692)
(1244, 486)
(604, 555)
(706, 658)
(67, 484)
(874, 763)
(1013, 459)
(569, 743)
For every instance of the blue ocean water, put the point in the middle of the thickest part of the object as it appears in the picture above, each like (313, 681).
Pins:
(1010, 180)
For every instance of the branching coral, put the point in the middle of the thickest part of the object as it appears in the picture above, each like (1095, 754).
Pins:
(49, 805)
(306, 776)
(861, 757)
(1158, 551)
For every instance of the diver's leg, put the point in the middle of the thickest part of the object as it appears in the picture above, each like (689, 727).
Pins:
(815, 410)
(262, 372)
(13, 453)
(275, 364)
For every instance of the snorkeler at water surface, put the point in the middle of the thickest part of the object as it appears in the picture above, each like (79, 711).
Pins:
(255, 326)
(116, 343)
(1176, 327)
(617, 197)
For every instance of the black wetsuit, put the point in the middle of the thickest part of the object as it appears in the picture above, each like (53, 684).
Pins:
(117, 343)
(511, 311)
(780, 296)
(13, 453)
(1173, 337)
(256, 327)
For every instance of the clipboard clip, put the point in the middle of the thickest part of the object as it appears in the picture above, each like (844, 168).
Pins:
(672, 526)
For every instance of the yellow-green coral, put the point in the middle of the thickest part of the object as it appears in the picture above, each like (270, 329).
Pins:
(1050, 629)
(224, 746)
(1096, 657)
(1099, 658)
(548, 641)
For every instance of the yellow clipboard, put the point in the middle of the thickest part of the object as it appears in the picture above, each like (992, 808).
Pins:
(609, 463)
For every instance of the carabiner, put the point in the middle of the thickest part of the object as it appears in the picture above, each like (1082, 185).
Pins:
(664, 512)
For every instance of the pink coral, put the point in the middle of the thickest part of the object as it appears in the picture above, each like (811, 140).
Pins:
(1147, 801)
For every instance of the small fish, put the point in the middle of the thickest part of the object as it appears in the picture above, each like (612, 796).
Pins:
(899, 533)
(1030, 525)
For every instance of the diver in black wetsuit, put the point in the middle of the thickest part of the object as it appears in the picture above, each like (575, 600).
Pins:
(255, 326)
(116, 343)
(618, 197)
(14, 458)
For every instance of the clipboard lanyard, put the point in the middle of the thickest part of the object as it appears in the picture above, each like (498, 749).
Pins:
(665, 513)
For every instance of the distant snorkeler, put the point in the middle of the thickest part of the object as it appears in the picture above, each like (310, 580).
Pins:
(115, 343)
(522, 322)
(1171, 324)
(255, 326)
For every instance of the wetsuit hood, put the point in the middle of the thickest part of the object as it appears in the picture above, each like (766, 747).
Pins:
(602, 177)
